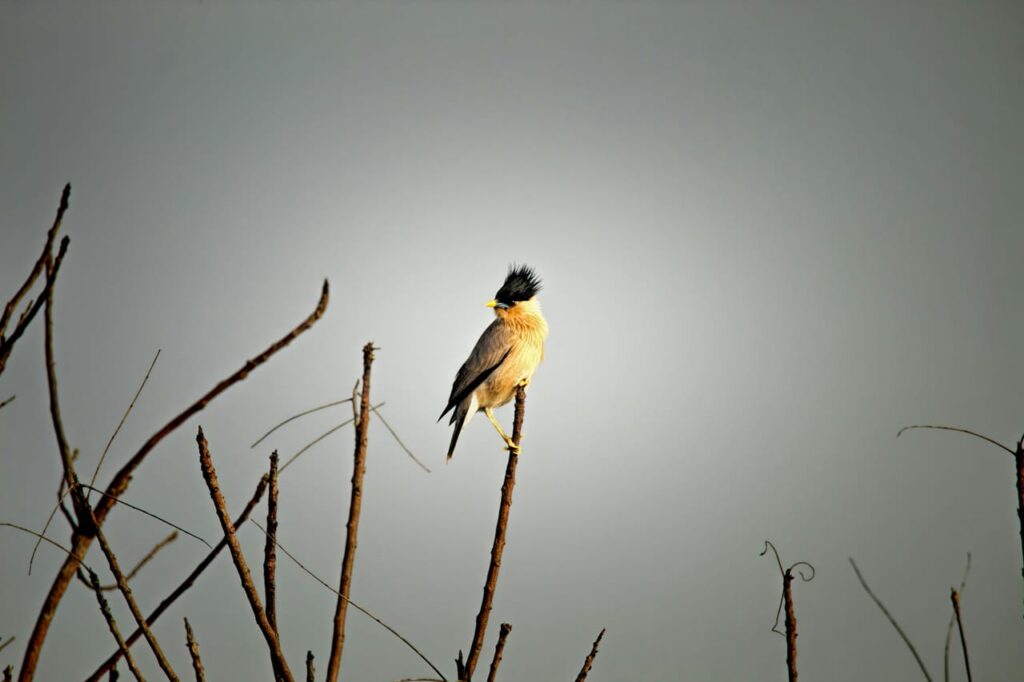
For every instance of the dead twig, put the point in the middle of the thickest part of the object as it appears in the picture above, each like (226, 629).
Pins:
(498, 547)
(124, 418)
(319, 438)
(150, 515)
(245, 576)
(298, 416)
(122, 478)
(399, 440)
(954, 597)
(7, 402)
(498, 649)
(133, 606)
(3, 645)
(187, 583)
(589, 662)
(957, 429)
(193, 650)
(903, 635)
(269, 550)
(112, 624)
(786, 600)
(310, 670)
(952, 619)
(352, 527)
(138, 566)
(354, 605)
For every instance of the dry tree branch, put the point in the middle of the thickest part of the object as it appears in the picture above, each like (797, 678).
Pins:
(892, 620)
(498, 649)
(957, 429)
(7, 343)
(187, 583)
(786, 600)
(498, 548)
(352, 527)
(193, 650)
(310, 670)
(281, 670)
(122, 478)
(3, 645)
(133, 606)
(8, 673)
(354, 604)
(269, 554)
(7, 402)
(589, 662)
(297, 416)
(112, 624)
(954, 597)
(952, 618)
(124, 418)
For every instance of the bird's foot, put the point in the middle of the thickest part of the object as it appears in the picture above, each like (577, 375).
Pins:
(511, 446)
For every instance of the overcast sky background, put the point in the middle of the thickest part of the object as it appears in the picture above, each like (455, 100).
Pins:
(770, 235)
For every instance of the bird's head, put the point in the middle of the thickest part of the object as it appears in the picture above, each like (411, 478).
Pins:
(521, 285)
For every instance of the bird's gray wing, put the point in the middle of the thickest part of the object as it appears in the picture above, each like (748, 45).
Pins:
(490, 351)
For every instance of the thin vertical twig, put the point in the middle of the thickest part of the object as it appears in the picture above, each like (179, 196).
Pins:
(589, 662)
(186, 584)
(952, 619)
(270, 548)
(954, 597)
(499, 648)
(1018, 459)
(310, 670)
(126, 592)
(81, 541)
(786, 603)
(281, 670)
(112, 624)
(352, 528)
(498, 548)
(9, 673)
(193, 650)
(881, 606)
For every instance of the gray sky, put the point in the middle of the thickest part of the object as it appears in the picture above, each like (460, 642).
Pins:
(770, 235)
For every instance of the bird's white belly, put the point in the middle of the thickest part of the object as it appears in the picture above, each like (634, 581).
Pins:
(519, 366)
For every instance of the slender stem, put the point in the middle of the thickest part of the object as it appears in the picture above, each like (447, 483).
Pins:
(298, 416)
(193, 650)
(310, 669)
(787, 598)
(589, 662)
(952, 619)
(498, 548)
(112, 624)
(954, 597)
(1018, 459)
(281, 670)
(892, 620)
(269, 550)
(498, 649)
(352, 528)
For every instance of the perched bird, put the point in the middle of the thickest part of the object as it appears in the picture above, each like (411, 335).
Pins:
(505, 357)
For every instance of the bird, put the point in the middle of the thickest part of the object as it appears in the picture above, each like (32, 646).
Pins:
(504, 358)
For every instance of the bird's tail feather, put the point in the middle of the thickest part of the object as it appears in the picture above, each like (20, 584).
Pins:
(455, 435)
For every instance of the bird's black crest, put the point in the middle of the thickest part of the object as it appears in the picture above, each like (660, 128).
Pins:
(521, 284)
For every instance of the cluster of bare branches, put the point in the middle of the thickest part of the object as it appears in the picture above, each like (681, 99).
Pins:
(86, 516)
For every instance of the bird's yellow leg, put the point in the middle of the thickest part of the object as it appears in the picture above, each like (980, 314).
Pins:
(509, 443)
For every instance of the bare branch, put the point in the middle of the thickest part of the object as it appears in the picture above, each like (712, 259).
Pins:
(124, 418)
(957, 430)
(210, 476)
(954, 597)
(7, 402)
(298, 416)
(353, 604)
(952, 618)
(352, 527)
(71, 556)
(310, 670)
(589, 662)
(126, 592)
(193, 650)
(892, 620)
(144, 560)
(122, 478)
(112, 624)
(149, 514)
(187, 583)
(269, 554)
(3, 645)
(498, 649)
(498, 548)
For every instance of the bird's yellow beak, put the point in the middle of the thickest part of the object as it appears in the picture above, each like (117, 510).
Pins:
(491, 304)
